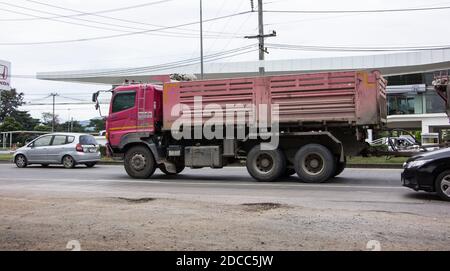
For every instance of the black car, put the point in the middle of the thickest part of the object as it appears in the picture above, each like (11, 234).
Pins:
(429, 172)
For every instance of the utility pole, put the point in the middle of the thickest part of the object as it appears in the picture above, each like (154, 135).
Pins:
(201, 40)
(68, 120)
(53, 114)
(261, 36)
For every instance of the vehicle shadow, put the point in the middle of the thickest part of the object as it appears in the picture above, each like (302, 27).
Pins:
(58, 167)
(424, 196)
(237, 178)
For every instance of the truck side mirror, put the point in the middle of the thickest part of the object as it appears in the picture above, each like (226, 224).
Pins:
(95, 96)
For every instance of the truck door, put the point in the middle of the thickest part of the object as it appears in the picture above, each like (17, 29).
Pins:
(123, 115)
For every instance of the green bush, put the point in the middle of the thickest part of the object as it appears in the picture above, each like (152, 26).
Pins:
(103, 150)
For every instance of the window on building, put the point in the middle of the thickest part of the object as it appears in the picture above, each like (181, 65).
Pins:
(399, 104)
(407, 79)
(434, 103)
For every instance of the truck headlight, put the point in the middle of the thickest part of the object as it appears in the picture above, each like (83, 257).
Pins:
(416, 164)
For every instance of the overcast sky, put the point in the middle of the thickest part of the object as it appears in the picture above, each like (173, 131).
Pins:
(368, 29)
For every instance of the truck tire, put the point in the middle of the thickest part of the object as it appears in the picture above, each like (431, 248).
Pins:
(179, 167)
(340, 166)
(139, 162)
(314, 163)
(265, 165)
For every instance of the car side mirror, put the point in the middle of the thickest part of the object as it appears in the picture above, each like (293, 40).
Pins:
(31, 145)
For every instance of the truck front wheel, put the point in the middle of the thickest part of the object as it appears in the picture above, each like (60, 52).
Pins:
(314, 163)
(139, 162)
(265, 165)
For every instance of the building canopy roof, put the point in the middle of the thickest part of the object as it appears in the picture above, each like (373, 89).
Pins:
(388, 64)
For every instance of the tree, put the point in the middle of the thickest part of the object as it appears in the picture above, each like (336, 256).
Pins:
(98, 124)
(10, 124)
(42, 128)
(10, 100)
(24, 118)
(47, 119)
(72, 126)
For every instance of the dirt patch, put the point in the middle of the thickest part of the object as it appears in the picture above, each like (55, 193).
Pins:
(259, 207)
(136, 201)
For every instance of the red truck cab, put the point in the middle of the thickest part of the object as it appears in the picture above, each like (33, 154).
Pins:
(134, 109)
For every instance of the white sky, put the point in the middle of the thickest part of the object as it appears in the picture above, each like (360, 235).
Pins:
(368, 29)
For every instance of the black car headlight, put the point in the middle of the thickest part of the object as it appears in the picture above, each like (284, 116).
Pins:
(416, 164)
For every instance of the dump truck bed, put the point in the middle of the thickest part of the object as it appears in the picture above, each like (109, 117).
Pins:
(351, 97)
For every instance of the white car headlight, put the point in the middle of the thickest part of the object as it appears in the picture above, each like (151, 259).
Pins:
(418, 163)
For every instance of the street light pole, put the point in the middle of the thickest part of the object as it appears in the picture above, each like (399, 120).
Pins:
(53, 114)
(201, 40)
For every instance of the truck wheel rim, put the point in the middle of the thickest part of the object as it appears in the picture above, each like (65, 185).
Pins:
(138, 162)
(264, 163)
(445, 185)
(20, 161)
(313, 164)
(68, 161)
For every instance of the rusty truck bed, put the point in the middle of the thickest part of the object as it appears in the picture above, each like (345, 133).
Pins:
(351, 97)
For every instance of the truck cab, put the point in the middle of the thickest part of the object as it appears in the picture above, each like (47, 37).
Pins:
(133, 109)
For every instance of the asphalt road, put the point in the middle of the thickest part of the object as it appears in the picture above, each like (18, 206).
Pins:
(374, 189)
(375, 192)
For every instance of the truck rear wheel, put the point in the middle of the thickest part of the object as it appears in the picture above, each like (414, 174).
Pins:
(139, 162)
(265, 165)
(314, 163)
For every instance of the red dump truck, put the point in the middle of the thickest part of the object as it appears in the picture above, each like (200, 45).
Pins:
(276, 125)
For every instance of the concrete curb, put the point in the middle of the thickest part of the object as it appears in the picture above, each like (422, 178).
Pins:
(380, 166)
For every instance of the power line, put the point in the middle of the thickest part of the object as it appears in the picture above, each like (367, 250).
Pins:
(40, 99)
(118, 35)
(226, 24)
(169, 33)
(74, 99)
(171, 65)
(92, 13)
(176, 64)
(120, 19)
(69, 103)
(357, 11)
